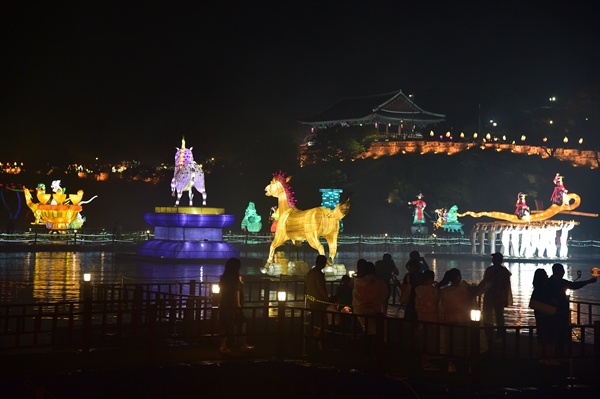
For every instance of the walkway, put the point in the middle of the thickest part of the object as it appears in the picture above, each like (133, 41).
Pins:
(178, 369)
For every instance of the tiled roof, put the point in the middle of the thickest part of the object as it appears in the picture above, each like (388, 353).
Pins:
(388, 108)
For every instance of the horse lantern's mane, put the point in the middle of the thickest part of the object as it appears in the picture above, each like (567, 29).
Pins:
(280, 177)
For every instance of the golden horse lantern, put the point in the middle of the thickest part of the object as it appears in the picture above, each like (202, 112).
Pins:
(298, 225)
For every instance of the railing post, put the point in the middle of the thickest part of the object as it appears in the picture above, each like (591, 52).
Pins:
(380, 342)
(87, 315)
(151, 322)
(136, 312)
(597, 344)
(280, 329)
(267, 296)
(475, 346)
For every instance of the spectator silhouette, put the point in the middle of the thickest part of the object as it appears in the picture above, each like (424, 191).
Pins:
(543, 321)
(368, 296)
(427, 306)
(556, 289)
(317, 297)
(416, 256)
(457, 299)
(343, 293)
(385, 268)
(497, 296)
(413, 279)
(231, 315)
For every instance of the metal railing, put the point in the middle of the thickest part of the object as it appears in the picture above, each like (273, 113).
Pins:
(90, 237)
(114, 312)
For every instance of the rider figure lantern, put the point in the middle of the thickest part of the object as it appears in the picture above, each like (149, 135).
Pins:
(522, 210)
(559, 195)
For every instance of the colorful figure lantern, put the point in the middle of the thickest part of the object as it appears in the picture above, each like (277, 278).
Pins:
(419, 212)
(187, 176)
(559, 195)
(522, 210)
(252, 220)
(297, 225)
(274, 218)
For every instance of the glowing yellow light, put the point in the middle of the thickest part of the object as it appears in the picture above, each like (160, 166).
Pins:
(523, 138)
(488, 136)
(474, 135)
(462, 135)
(551, 122)
(566, 139)
(504, 137)
(447, 134)
(581, 141)
(431, 133)
(545, 139)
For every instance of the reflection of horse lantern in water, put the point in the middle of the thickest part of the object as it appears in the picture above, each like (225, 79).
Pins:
(297, 225)
(188, 175)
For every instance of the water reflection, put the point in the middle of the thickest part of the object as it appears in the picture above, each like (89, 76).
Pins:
(57, 276)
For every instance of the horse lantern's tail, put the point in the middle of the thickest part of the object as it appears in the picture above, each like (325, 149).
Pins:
(342, 208)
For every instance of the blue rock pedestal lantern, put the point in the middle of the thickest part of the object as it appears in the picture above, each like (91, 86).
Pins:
(188, 233)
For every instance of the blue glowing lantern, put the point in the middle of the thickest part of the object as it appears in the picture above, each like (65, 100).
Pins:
(330, 197)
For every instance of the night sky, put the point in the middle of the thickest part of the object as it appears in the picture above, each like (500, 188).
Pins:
(129, 79)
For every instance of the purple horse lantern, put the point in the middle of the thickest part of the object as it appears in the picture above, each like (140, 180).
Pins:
(188, 175)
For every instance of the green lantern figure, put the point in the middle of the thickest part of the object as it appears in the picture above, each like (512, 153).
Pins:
(251, 221)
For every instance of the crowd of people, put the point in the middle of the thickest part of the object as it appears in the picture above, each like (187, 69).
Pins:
(429, 307)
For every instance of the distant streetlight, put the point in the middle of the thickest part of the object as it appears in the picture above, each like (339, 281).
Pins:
(581, 140)
(566, 140)
(523, 138)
